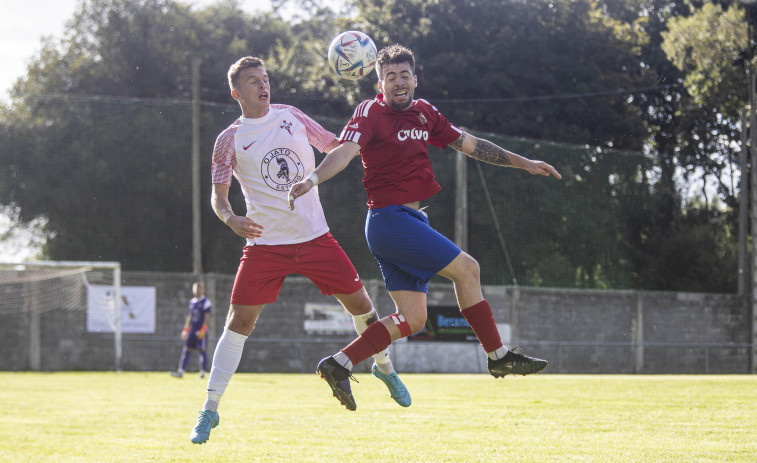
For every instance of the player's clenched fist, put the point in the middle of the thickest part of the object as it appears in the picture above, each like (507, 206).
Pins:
(297, 190)
(202, 332)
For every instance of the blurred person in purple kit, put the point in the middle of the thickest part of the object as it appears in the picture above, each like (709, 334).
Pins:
(195, 332)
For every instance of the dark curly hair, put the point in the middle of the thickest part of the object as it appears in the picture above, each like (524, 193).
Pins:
(394, 54)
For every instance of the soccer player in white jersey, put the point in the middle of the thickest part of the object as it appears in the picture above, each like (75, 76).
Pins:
(267, 150)
(392, 133)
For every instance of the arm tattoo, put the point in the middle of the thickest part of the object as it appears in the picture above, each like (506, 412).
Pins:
(489, 152)
(458, 144)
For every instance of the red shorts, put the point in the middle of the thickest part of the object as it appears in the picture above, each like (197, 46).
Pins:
(262, 270)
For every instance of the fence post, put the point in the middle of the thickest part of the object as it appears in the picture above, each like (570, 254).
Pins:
(753, 178)
(514, 317)
(461, 201)
(638, 333)
(196, 184)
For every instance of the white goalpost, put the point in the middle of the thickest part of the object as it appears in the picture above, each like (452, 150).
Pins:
(37, 287)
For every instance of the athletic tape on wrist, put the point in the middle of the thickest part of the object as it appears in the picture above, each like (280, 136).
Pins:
(313, 178)
(402, 324)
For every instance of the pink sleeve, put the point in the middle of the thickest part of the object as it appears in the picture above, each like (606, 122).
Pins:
(224, 157)
(319, 137)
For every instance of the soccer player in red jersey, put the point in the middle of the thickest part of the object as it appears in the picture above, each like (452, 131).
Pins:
(392, 133)
(267, 150)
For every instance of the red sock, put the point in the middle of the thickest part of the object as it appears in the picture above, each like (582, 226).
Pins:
(374, 339)
(480, 318)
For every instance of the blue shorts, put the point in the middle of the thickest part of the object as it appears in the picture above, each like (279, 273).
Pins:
(193, 342)
(409, 252)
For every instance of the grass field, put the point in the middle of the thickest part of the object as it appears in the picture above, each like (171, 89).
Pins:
(139, 417)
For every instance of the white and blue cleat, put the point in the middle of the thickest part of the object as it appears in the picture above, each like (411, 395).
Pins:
(397, 390)
(205, 422)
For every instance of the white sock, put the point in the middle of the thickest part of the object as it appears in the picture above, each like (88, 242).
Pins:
(225, 362)
(497, 354)
(384, 363)
(361, 322)
(342, 359)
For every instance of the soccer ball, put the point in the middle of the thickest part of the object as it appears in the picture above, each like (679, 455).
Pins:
(352, 55)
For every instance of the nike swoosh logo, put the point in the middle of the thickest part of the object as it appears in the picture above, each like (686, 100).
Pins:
(357, 278)
(245, 147)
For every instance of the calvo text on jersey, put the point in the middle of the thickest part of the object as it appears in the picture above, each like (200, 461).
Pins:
(413, 134)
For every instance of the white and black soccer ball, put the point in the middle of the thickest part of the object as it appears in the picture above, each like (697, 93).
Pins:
(352, 55)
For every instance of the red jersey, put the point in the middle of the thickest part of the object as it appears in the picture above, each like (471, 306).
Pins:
(394, 149)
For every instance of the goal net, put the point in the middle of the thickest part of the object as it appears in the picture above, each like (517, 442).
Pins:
(43, 286)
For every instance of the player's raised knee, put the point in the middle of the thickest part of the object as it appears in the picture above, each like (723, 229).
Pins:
(408, 325)
(462, 269)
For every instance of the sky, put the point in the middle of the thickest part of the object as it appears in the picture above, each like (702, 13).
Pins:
(24, 23)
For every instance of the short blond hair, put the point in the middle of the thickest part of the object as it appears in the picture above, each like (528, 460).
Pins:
(240, 65)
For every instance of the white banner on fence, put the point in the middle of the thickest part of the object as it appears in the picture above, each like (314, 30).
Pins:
(327, 319)
(137, 309)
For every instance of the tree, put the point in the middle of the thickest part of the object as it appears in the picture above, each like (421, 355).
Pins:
(708, 48)
(519, 68)
(97, 136)
(22, 241)
(76, 158)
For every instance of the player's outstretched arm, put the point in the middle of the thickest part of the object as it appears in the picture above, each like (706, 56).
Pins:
(486, 151)
(241, 225)
(334, 162)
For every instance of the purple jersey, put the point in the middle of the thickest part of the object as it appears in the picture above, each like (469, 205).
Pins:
(197, 310)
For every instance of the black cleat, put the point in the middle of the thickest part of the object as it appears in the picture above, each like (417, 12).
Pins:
(338, 378)
(515, 363)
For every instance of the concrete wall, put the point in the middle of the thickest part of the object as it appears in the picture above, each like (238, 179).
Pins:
(577, 331)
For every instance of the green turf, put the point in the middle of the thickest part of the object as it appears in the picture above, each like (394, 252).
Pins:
(139, 417)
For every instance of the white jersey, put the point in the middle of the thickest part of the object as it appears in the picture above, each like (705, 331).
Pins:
(267, 155)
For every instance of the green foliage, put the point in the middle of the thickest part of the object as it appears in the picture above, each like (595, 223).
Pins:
(521, 53)
(111, 171)
(578, 232)
(675, 263)
(707, 47)
(21, 240)
(78, 163)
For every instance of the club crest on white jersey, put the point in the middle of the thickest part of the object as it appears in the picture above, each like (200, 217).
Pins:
(281, 168)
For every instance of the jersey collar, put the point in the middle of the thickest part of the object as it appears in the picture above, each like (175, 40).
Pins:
(258, 120)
